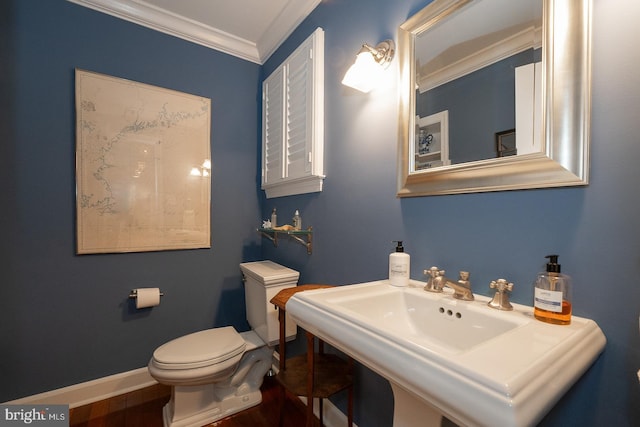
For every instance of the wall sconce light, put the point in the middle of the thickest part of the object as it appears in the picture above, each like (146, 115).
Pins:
(367, 71)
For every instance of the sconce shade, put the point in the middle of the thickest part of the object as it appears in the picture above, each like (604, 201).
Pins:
(364, 73)
(368, 69)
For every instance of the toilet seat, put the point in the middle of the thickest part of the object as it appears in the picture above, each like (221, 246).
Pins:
(200, 349)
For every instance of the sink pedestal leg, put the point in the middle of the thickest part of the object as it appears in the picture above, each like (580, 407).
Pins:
(409, 411)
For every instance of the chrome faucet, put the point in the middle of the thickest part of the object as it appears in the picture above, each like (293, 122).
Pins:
(437, 281)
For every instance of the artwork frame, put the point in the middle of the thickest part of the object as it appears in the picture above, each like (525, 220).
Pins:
(143, 166)
(434, 151)
(506, 143)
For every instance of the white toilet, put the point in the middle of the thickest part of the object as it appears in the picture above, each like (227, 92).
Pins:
(217, 372)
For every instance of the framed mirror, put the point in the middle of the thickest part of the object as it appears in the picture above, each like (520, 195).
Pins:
(503, 105)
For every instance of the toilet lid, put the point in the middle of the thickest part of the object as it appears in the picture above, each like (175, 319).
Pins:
(200, 349)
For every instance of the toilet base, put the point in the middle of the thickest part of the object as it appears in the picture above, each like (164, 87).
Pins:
(211, 413)
(198, 405)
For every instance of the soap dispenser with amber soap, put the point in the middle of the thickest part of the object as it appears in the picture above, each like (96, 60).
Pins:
(552, 294)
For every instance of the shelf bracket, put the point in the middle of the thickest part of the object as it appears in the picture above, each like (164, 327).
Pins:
(297, 235)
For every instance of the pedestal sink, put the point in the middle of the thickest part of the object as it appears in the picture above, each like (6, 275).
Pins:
(462, 359)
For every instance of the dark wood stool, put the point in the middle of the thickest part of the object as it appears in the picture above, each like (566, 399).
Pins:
(315, 374)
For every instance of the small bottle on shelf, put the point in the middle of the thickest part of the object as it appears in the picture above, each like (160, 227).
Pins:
(297, 221)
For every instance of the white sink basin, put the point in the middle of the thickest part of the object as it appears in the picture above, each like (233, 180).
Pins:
(463, 359)
(423, 319)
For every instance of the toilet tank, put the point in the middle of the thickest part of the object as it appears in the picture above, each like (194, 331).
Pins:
(262, 281)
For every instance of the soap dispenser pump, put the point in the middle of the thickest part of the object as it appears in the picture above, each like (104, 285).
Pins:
(399, 266)
(552, 294)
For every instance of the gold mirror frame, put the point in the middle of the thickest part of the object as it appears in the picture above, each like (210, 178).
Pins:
(566, 84)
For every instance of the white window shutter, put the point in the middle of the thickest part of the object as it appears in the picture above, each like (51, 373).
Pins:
(272, 128)
(298, 114)
(293, 122)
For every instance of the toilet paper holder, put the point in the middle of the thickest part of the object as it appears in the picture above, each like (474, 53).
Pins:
(134, 293)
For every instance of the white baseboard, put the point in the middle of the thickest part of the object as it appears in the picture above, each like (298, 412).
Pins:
(333, 417)
(126, 382)
(92, 391)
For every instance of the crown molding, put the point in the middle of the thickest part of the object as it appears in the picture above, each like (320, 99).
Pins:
(167, 22)
(283, 26)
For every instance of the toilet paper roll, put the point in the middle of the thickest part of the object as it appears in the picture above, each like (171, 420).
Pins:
(147, 297)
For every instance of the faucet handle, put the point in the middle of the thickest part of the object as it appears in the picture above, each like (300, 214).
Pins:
(501, 285)
(431, 272)
(500, 300)
(433, 285)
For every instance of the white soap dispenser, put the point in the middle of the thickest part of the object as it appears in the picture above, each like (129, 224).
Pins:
(399, 263)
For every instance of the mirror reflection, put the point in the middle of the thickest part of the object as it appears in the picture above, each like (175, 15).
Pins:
(457, 135)
(478, 84)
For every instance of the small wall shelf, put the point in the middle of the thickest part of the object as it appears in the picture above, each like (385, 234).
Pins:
(297, 235)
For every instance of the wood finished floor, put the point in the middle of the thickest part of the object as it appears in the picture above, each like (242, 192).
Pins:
(143, 408)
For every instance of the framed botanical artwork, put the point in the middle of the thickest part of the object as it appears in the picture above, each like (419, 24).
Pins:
(143, 167)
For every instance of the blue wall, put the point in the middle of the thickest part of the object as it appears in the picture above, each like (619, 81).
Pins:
(66, 319)
(595, 229)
